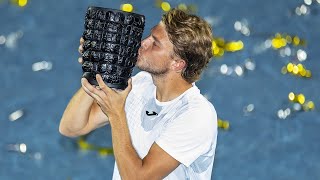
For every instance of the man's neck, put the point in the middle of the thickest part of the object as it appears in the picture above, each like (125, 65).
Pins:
(168, 87)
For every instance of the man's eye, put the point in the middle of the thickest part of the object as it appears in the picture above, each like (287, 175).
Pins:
(154, 43)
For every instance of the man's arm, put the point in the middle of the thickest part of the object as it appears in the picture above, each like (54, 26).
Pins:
(81, 116)
(156, 165)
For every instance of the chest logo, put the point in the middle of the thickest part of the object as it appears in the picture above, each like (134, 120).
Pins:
(151, 114)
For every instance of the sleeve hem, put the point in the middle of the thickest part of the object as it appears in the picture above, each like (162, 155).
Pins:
(172, 154)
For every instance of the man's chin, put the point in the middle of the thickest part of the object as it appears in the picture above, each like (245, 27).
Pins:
(139, 59)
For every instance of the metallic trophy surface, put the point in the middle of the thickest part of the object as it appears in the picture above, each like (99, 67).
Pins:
(112, 40)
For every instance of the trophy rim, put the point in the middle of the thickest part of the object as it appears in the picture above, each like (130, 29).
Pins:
(115, 10)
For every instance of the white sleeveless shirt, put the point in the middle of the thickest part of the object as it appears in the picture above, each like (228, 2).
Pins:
(186, 128)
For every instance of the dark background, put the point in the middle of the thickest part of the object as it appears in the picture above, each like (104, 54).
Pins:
(257, 146)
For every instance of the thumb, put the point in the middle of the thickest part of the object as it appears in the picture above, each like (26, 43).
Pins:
(129, 87)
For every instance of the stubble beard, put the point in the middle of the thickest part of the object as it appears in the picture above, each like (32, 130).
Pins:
(143, 65)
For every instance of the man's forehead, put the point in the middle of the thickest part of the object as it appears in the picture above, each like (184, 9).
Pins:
(158, 27)
(159, 30)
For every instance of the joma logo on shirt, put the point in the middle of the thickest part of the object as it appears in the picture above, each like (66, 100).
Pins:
(151, 114)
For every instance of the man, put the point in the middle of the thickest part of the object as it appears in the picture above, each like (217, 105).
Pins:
(162, 127)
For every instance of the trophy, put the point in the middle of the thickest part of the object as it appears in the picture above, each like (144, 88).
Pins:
(112, 40)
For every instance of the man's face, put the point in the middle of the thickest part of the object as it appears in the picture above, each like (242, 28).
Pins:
(156, 51)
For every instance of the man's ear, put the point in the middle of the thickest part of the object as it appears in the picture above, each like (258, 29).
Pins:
(179, 64)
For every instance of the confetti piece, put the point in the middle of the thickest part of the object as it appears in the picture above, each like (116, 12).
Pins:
(16, 115)
(126, 7)
(165, 6)
(223, 124)
(43, 65)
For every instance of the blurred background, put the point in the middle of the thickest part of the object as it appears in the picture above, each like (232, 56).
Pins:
(263, 82)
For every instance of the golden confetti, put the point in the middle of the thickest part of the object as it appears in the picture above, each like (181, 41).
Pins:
(84, 145)
(165, 6)
(20, 3)
(219, 46)
(308, 74)
(296, 40)
(289, 67)
(282, 40)
(298, 70)
(301, 98)
(278, 43)
(308, 106)
(126, 7)
(295, 69)
(223, 124)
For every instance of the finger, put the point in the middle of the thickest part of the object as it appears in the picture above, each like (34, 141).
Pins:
(80, 60)
(85, 87)
(81, 41)
(89, 87)
(129, 87)
(94, 96)
(92, 91)
(102, 85)
(80, 49)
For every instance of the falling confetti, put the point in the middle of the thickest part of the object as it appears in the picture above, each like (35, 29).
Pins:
(126, 7)
(298, 104)
(223, 124)
(242, 27)
(247, 110)
(43, 65)
(16, 115)
(219, 46)
(21, 148)
(20, 3)
(298, 70)
(12, 39)
(85, 146)
(165, 6)
(237, 70)
(282, 40)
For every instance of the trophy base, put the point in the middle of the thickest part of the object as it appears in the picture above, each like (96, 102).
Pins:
(91, 77)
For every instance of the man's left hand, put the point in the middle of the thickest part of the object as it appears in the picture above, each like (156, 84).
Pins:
(111, 101)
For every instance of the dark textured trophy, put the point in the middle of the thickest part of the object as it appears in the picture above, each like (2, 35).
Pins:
(112, 40)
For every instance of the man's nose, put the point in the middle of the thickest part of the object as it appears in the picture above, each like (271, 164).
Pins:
(146, 42)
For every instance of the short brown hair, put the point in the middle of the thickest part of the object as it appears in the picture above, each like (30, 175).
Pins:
(191, 37)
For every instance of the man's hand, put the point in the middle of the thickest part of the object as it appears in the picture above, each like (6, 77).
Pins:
(111, 102)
